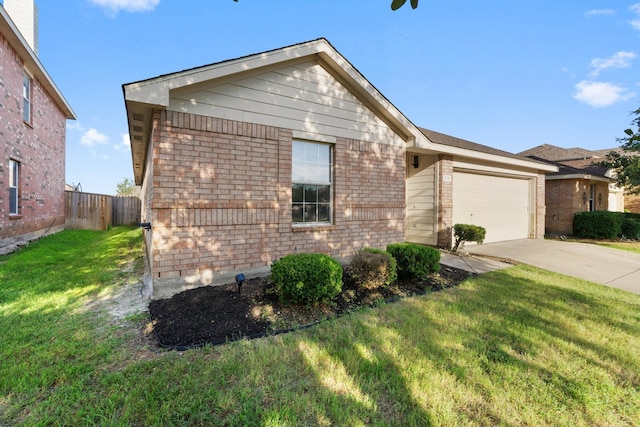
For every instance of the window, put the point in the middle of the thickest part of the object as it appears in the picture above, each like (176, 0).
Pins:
(14, 173)
(592, 197)
(26, 98)
(311, 191)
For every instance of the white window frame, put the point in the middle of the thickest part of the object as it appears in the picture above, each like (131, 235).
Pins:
(309, 164)
(14, 187)
(26, 98)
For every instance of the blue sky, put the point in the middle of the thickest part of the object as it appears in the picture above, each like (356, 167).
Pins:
(511, 75)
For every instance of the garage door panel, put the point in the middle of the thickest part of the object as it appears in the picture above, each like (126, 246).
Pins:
(497, 203)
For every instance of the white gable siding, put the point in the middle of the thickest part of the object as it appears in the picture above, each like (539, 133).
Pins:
(303, 97)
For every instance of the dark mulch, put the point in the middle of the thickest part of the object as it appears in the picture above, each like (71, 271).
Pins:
(218, 314)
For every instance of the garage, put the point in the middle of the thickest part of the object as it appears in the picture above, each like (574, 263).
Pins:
(500, 204)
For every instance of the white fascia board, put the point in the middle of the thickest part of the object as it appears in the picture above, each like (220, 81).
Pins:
(578, 176)
(356, 82)
(462, 152)
(32, 63)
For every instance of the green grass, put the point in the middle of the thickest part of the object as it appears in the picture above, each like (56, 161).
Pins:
(519, 346)
(633, 246)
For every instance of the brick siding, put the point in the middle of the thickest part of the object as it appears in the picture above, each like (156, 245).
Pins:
(445, 201)
(632, 203)
(38, 146)
(221, 198)
(566, 197)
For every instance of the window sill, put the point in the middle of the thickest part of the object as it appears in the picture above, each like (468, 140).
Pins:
(296, 228)
(15, 216)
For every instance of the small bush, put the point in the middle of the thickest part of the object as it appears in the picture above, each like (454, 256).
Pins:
(307, 278)
(630, 228)
(415, 261)
(597, 224)
(372, 268)
(467, 233)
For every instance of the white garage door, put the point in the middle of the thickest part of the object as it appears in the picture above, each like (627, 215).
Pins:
(499, 204)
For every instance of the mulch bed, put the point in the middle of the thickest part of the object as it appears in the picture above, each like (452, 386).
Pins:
(219, 314)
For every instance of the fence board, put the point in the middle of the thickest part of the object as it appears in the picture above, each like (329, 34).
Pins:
(88, 211)
(125, 210)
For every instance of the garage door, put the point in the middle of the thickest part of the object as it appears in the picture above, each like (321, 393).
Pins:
(497, 203)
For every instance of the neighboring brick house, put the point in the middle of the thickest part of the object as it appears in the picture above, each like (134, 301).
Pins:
(579, 185)
(292, 150)
(33, 116)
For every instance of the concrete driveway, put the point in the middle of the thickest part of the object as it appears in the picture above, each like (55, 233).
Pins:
(610, 267)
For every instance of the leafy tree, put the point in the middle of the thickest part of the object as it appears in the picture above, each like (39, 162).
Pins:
(126, 188)
(626, 164)
(395, 4)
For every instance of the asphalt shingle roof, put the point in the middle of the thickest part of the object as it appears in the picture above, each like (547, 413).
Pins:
(570, 161)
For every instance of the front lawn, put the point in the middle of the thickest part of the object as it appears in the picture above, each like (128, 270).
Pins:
(519, 346)
(631, 246)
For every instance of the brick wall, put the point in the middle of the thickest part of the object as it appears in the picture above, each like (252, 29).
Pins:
(221, 198)
(566, 197)
(632, 203)
(39, 147)
(445, 201)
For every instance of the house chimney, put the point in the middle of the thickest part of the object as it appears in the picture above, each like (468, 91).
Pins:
(24, 14)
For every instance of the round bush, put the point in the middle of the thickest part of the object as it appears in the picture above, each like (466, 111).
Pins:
(415, 261)
(372, 268)
(307, 278)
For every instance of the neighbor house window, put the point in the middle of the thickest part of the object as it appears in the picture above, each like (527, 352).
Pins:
(592, 197)
(311, 191)
(14, 176)
(26, 98)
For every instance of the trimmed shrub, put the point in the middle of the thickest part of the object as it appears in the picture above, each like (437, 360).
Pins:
(372, 268)
(597, 224)
(467, 233)
(307, 278)
(630, 228)
(415, 261)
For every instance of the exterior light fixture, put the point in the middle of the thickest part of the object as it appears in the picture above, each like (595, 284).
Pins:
(415, 161)
(240, 279)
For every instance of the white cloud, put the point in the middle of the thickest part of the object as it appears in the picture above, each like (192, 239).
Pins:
(599, 12)
(620, 59)
(93, 137)
(74, 125)
(600, 94)
(127, 5)
(635, 23)
(125, 145)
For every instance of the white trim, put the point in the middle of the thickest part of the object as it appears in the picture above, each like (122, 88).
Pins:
(579, 176)
(311, 136)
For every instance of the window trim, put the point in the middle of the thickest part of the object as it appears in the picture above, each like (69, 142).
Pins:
(27, 98)
(331, 166)
(14, 184)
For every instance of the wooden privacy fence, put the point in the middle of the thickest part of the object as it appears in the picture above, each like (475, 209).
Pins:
(87, 211)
